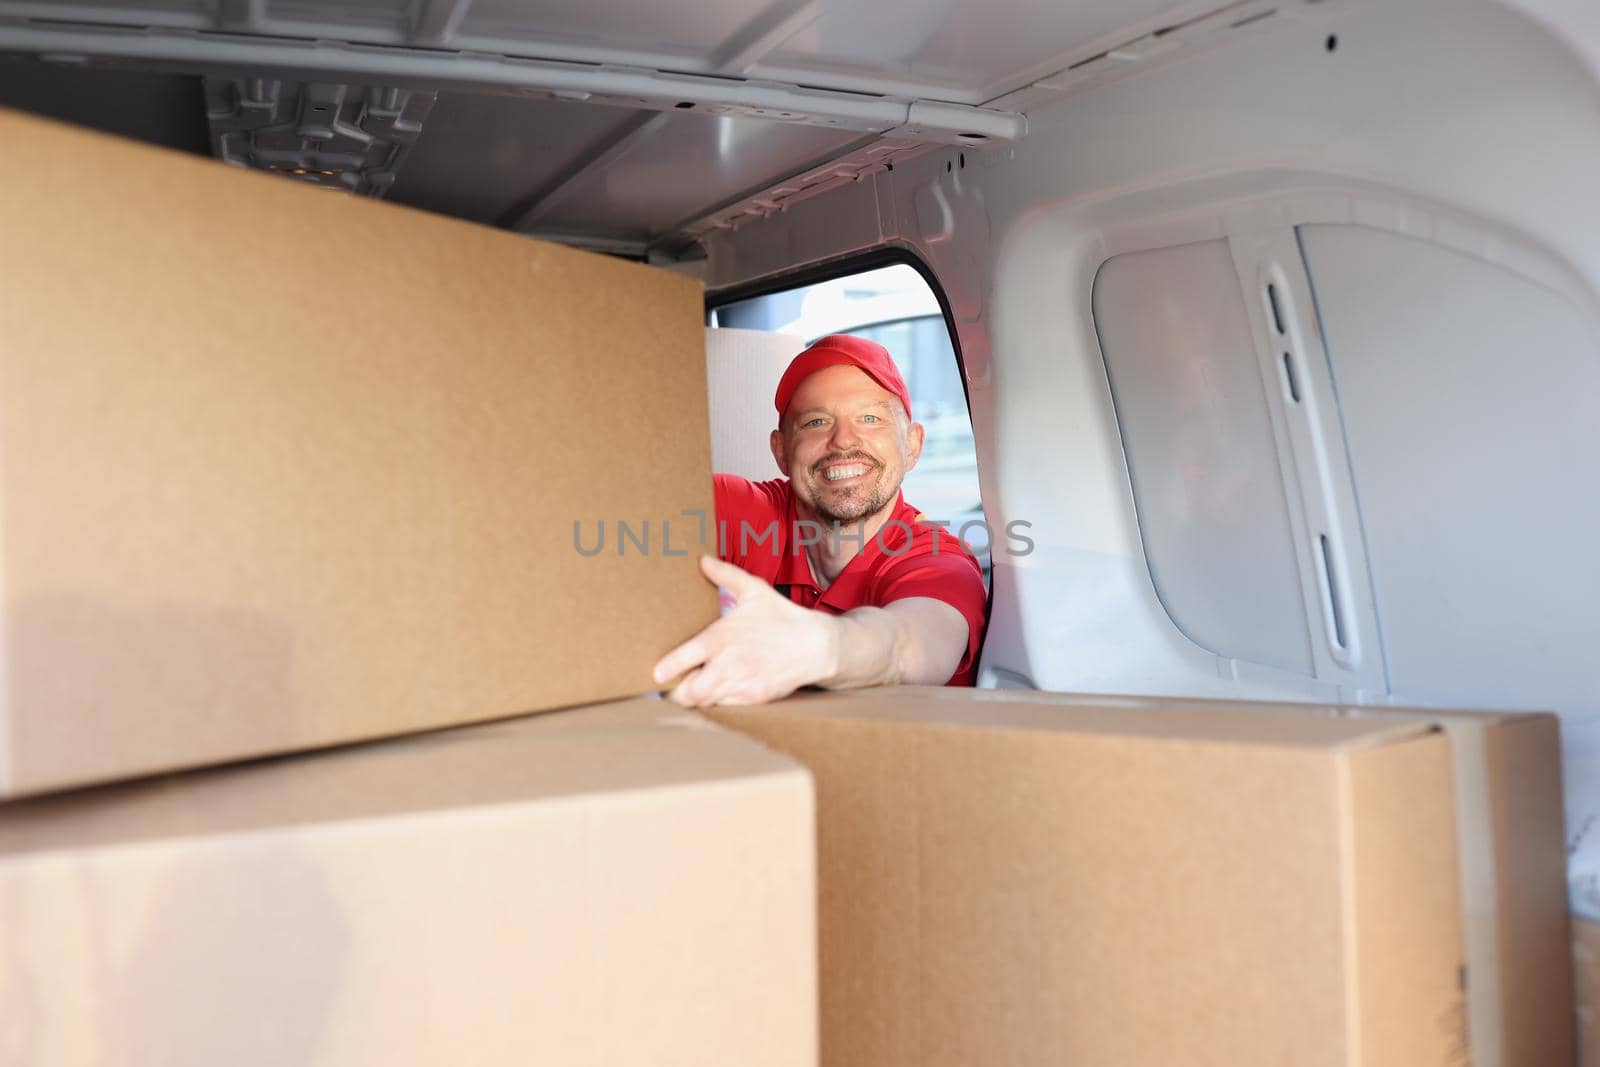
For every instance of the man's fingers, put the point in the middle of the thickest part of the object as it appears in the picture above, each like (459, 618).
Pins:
(687, 656)
(700, 688)
(735, 580)
(685, 692)
(705, 686)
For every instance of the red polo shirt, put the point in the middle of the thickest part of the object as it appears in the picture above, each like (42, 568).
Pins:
(756, 529)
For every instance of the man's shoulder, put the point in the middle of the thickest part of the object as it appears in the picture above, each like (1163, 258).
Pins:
(750, 513)
(909, 532)
(918, 557)
(734, 492)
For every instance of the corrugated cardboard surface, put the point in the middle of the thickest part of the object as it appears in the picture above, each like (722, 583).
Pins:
(1507, 773)
(1523, 762)
(1012, 881)
(1403, 910)
(283, 468)
(1586, 964)
(1513, 856)
(624, 884)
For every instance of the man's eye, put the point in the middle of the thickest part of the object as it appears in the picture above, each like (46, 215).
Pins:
(813, 422)
(871, 418)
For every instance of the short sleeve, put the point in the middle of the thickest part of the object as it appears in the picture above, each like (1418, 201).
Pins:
(743, 504)
(951, 577)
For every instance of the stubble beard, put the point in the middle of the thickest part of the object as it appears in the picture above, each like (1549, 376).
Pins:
(855, 506)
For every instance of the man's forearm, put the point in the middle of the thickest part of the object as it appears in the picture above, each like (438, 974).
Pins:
(767, 647)
(862, 649)
(915, 645)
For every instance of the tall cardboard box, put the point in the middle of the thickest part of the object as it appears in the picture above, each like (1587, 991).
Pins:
(284, 468)
(621, 884)
(1013, 881)
(1586, 988)
(1511, 835)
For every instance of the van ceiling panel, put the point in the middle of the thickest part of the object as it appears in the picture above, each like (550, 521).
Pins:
(163, 109)
(482, 157)
(681, 35)
(967, 53)
(937, 50)
(678, 167)
(625, 121)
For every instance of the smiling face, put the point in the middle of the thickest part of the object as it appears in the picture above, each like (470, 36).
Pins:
(845, 444)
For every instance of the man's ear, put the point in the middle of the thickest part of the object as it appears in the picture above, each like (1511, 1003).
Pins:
(913, 445)
(778, 451)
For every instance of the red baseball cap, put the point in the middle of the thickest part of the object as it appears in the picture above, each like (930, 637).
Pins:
(842, 350)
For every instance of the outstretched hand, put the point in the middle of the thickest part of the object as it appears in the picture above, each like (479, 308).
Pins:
(766, 647)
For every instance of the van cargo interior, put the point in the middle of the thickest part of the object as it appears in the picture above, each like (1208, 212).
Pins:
(1271, 328)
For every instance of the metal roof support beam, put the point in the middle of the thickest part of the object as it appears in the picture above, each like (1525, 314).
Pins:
(242, 14)
(751, 44)
(930, 121)
(436, 21)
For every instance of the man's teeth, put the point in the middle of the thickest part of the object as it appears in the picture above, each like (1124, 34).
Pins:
(855, 470)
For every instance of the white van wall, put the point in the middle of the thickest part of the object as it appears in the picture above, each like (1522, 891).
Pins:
(1461, 139)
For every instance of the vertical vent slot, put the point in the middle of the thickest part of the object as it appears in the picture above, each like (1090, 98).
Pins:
(1289, 379)
(1335, 607)
(1272, 303)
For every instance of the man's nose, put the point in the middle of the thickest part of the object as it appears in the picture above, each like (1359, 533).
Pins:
(844, 435)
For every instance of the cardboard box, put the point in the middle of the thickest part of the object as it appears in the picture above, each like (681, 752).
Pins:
(285, 468)
(1016, 880)
(1513, 882)
(1510, 837)
(622, 884)
(1586, 987)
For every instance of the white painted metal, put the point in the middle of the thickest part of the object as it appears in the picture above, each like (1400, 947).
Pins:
(664, 173)
(966, 52)
(908, 74)
(917, 49)
(1198, 437)
(488, 157)
(1470, 398)
(609, 83)
(1334, 577)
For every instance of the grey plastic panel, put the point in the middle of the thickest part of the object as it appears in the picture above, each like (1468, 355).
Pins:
(165, 109)
(1334, 580)
(1196, 430)
(1471, 404)
(348, 136)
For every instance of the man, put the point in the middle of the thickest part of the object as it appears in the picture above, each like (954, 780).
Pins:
(835, 580)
